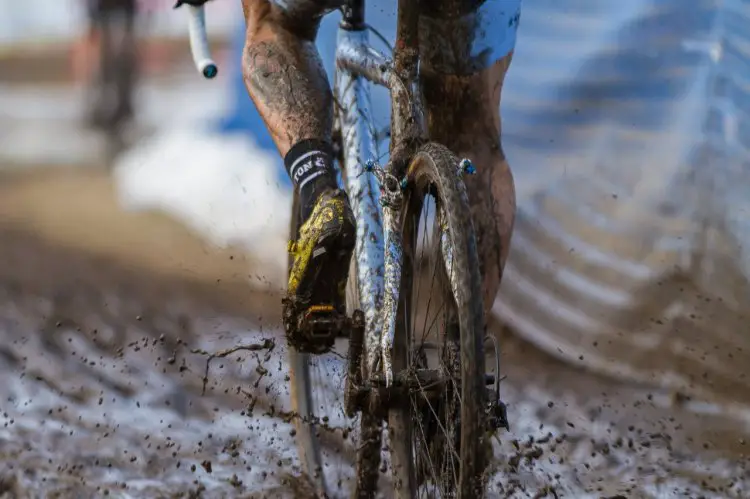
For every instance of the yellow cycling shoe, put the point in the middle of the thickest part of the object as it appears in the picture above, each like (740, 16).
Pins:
(322, 253)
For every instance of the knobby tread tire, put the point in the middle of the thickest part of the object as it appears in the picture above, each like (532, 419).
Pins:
(436, 165)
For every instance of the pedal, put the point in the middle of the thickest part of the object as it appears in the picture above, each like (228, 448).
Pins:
(322, 324)
(313, 330)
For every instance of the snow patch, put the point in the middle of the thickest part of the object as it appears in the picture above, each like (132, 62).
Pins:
(222, 186)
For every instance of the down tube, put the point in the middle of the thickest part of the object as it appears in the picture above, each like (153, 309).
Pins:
(360, 145)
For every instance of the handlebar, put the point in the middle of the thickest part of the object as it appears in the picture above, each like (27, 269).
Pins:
(199, 42)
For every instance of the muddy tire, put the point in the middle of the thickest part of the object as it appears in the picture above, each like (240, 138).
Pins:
(434, 172)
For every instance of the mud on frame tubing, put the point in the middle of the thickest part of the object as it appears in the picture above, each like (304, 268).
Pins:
(378, 259)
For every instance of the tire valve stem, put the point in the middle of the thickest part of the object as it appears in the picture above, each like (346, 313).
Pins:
(404, 183)
(467, 166)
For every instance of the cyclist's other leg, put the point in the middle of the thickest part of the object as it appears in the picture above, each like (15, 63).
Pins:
(124, 62)
(97, 77)
(463, 70)
(285, 78)
(112, 23)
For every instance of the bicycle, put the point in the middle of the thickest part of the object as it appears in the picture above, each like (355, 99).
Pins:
(385, 374)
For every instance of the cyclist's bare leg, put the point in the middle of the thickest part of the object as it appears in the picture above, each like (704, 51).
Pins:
(283, 71)
(286, 80)
(463, 112)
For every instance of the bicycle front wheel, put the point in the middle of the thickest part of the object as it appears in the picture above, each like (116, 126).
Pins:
(437, 433)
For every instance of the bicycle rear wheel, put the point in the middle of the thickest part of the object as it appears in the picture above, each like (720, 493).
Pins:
(437, 434)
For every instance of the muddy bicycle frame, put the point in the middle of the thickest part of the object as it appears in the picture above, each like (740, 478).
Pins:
(375, 193)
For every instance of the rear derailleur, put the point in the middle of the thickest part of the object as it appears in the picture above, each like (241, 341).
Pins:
(497, 416)
(496, 411)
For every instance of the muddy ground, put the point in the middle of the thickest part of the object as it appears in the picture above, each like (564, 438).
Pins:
(105, 321)
(100, 310)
